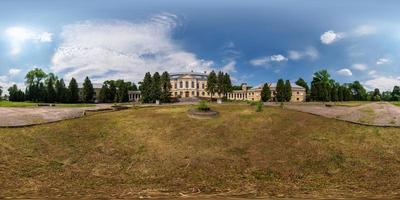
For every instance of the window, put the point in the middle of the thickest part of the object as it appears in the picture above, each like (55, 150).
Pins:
(176, 86)
(192, 84)
(176, 93)
(298, 99)
(181, 93)
(202, 86)
(192, 93)
(181, 84)
(298, 92)
(197, 85)
(202, 93)
(187, 84)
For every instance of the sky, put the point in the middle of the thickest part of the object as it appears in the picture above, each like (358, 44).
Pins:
(255, 41)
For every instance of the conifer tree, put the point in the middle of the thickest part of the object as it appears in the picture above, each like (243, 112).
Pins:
(212, 84)
(87, 91)
(265, 93)
(145, 88)
(73, 91)
(165, 87)
(280, 90)
(288, 91)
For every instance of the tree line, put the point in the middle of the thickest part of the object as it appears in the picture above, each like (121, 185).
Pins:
(43, 87)
(219, 83)
(155, 87)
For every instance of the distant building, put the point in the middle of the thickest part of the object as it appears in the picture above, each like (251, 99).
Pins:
(96, 86)
(254, 94)
(194, 84)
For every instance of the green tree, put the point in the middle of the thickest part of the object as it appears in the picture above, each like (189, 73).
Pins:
(145, 88)
(87, 91)
(1, 92)
(358, 91)
(33, 81)
(15, 94)
(321, 86)
(104, 92)
(220, 83)
(227, 85)
(212, 84)
(73, 91)
(61, 91)
(165, 87)
(335, 92)
(396, 93)
(265, 93)
(376, 95)
(280, 91)
(288, 91)
(156, 87)
(301, 82)
(50, 90)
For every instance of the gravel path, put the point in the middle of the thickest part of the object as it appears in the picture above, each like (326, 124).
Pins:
(377, 113)
(26, 116)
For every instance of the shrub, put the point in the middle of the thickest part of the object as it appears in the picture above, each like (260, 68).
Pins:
(203, 106)
(259, 106)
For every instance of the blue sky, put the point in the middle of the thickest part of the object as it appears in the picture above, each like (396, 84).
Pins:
(255, 41)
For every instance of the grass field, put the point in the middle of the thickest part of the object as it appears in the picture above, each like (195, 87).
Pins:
(351, 103)
(159, 151)
(30, 104)
(396, 103)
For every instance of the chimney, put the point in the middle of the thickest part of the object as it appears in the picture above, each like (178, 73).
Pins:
(244, 86)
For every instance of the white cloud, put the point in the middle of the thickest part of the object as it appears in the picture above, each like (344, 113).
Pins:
(382, 61)
(267, 59)
(330, 37)
(229, 67)
(5, 83)
(364, 30)
(18, 35)
(345, 72)
(359, 66)
(372, 72)
(382, 82)
(309, 52)
(120, 49)
(14, 71)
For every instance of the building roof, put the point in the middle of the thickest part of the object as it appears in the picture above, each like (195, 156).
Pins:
(197, 75)
(273, 85)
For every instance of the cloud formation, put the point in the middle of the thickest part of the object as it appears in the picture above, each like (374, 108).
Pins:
(121, 49)
(359, 67)
(19, 35)
(383, 83)
(310, 53)
(14, 71)
(331, 36)
(382, 61)
(345, 72)
(268, 59)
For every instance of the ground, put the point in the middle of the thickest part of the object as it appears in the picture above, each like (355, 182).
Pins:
(31, 104)
(28, 115)
(159, 151)
(375, 113)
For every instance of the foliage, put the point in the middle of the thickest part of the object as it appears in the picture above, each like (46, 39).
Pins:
(16, 94)
(87, 91)
(212, 83)
(35, 90)
(301, 82)
(396, 93)
(202, 106)
(145, 88)
(166, 86)
(61, 91)
(280, 90)
(73, 91)
(265, 93)
(259, 106)
(287, 91)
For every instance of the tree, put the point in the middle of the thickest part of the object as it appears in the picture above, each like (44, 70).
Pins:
(280, 91)
(112, 95)
(387, 96)
(220, 83)
(61, 91)
(104, 92)
(265, 93)
(1, 92)
(396, 93)
(288, 91)
(165, 87)
(301, 82)
(376, 95)
(145, 88)
(16, 94)
(335, 92)
(212, 86)
(33, 80)
(156, 87)
(358, 91)
(321, 86)
(50, 90)
(87, 91)
(73, 91)
(227, 85)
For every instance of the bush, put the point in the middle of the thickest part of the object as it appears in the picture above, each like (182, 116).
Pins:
(203, 106)
(259, 106)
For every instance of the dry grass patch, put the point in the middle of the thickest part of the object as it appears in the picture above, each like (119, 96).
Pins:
(150, 151)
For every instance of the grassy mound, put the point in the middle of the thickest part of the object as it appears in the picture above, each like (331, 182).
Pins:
(154, 152)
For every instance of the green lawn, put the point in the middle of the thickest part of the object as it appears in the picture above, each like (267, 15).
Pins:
(160, 151)
(396, 103)
(30, 104)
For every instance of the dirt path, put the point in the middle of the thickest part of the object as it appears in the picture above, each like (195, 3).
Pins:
(377, 113)
(14, 117)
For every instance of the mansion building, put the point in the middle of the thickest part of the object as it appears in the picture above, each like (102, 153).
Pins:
(193, 85)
